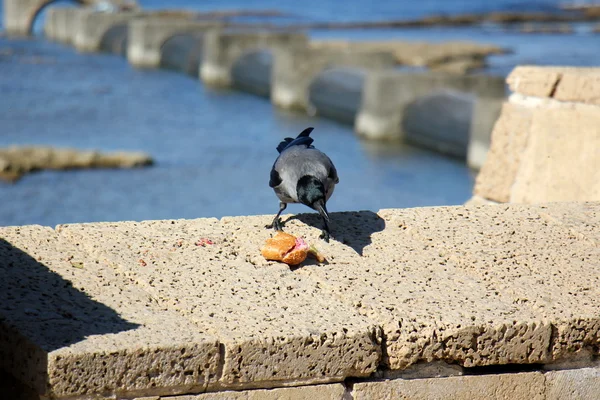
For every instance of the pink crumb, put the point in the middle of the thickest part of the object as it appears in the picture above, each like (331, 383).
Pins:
(300, 244)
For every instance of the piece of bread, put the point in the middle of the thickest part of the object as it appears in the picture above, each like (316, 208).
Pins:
(286, 248)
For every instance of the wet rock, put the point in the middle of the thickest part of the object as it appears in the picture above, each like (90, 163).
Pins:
(17, 161)
(457, 57)
(545, 28)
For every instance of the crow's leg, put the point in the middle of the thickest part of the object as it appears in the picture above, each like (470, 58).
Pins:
(276, 224)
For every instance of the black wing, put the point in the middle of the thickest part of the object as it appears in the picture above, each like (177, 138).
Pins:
(333, 174)
(275, 179)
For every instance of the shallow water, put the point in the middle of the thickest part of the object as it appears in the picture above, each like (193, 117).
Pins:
(214, 149)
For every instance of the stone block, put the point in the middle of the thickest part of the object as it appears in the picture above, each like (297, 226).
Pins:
(325, 392)
(580, 86)
(524, 386)
(534, 81)
(562, 83)
(561, 161)
(508, 142)
(580, 384)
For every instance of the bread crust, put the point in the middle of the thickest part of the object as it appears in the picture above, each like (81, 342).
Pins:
(284, 247)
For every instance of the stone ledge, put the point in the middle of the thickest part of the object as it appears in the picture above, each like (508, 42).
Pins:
(561, 83)
(143, 308)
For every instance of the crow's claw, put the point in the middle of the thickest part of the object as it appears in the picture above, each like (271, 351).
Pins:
(277, 225)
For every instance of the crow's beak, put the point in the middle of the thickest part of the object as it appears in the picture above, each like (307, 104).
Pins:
(322, 209)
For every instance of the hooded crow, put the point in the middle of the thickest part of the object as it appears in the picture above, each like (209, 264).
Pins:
(303, 174)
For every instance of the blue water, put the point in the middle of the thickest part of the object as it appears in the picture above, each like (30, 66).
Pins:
(214, 149)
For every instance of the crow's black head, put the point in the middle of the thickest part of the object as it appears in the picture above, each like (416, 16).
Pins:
(310, 191)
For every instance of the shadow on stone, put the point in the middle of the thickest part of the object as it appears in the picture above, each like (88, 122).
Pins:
(352, 228)
(15, 390)
(40, 312)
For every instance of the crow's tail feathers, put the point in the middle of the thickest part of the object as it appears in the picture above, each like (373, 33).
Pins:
(306, 132)
(281, 146)
(302, 139)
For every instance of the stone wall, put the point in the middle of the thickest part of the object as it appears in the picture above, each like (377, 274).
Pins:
(546, 143)
(580, 384)
(413, 302)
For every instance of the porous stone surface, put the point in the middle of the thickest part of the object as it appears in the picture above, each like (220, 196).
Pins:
(473, 286)
(523, 386)
(509, 139)
(166, 308)
(74, 326)
(275, 327)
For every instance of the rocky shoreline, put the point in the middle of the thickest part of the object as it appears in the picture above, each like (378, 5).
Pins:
(16, 161)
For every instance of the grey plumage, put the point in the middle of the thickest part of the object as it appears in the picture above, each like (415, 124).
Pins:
(303, 174)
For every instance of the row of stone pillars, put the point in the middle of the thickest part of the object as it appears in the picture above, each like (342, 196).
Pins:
(383, 94)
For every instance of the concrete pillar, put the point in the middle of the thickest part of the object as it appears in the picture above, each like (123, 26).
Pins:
(93, 25)
(114, 40)
(183, 52)
(252, 72)
(19, 15)
(222, 49)
(66, 21)
(337, 93)
(148, 34)
(387, 94)
(440, 121)
(485, 114)
(296, 67)
(51, 23)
